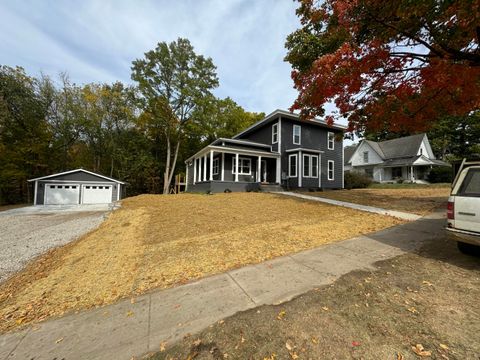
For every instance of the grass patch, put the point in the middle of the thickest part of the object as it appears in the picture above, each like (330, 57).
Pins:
(157, 241)
(409, 186)
(417, 200)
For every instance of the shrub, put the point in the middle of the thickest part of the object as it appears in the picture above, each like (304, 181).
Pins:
(440, 174)
(356, 180)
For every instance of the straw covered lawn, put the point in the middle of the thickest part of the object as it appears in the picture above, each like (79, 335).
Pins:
(419, 200)
(157, 241)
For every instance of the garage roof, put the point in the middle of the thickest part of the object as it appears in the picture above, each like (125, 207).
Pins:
(76, 170)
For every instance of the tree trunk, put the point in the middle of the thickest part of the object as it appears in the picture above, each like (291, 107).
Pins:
(170, 169)
(166, 174)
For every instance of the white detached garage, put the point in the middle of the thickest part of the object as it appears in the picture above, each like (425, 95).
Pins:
(76, 187)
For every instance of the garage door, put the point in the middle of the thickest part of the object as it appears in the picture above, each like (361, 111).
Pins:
(97, 194)
(61, 194)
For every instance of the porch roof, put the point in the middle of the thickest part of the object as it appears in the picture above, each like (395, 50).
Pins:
(233, 150)
(419, 160)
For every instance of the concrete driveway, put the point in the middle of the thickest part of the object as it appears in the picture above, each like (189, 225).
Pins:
(30, 231)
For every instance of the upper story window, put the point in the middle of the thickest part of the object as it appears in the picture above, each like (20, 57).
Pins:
(331, 141)
(365, 157)
(275, 133)
(421, 151)
(297, 134)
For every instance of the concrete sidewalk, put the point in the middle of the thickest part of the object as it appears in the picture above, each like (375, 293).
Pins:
(398, 214)
(126, 329)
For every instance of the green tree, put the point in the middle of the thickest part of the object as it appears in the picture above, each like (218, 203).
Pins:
(24, 134)
(172, 80)
(220, 118)
(456, 137)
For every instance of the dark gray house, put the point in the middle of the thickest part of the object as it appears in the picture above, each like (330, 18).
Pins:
(76, 187)
(279, 152)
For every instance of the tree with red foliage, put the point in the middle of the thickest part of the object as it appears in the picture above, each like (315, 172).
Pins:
(387, 65)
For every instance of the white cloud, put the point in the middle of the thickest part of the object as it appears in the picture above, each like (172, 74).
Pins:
(97, 40)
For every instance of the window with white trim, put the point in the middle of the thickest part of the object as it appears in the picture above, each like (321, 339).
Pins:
(306, 165)
(292, 165)
(365, 157)
(297, 134)
(331, 165)
(310, 166)
(244, 166)
(275, 133)
(314, 163)
(331, 140)
(215, 166)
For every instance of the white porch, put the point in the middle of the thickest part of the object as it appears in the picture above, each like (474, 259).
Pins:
(233, 165)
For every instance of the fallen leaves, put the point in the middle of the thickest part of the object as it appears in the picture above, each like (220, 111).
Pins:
(281, 315)
(86, 274)
(163, 346)
(420, 351)
(59, 340)
(444, 347)
(129, 313)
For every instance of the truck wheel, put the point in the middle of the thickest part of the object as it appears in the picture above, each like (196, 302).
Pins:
(468, 249)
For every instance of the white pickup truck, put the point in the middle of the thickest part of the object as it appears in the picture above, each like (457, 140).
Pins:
(463, 210)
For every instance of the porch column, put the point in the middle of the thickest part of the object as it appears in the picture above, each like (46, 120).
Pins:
(186, 179)
(194, 171)
(205, 168)
(223, 166)
(236, 167)
(411, 173)
(259, 169)
(211, 165)
(278, 179)
(300, 173)
(199, 169)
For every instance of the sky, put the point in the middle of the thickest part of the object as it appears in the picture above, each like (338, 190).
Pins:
(96, 41)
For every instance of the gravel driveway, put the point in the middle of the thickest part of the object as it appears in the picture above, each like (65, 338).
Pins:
(24, 236)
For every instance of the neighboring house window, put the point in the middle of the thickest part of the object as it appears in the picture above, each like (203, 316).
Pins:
(292, 165)
(275, 133)
(331, 165)
(215, 166)
(310, 166)
(297, 134)
(365, 157)
(244, 166)
(331, 141)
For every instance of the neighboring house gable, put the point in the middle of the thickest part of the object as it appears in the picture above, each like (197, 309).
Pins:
(365, 147)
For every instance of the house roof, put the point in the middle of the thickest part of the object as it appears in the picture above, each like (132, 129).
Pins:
(73, 171)
(240, 142)
(409, 161)
(348, 153)
(399, 148)
(272, 116)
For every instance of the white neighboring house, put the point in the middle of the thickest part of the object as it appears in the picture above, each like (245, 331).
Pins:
(408, 158)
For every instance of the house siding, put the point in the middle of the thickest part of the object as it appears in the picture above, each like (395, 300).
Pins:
(263, 135)
(313, 137)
